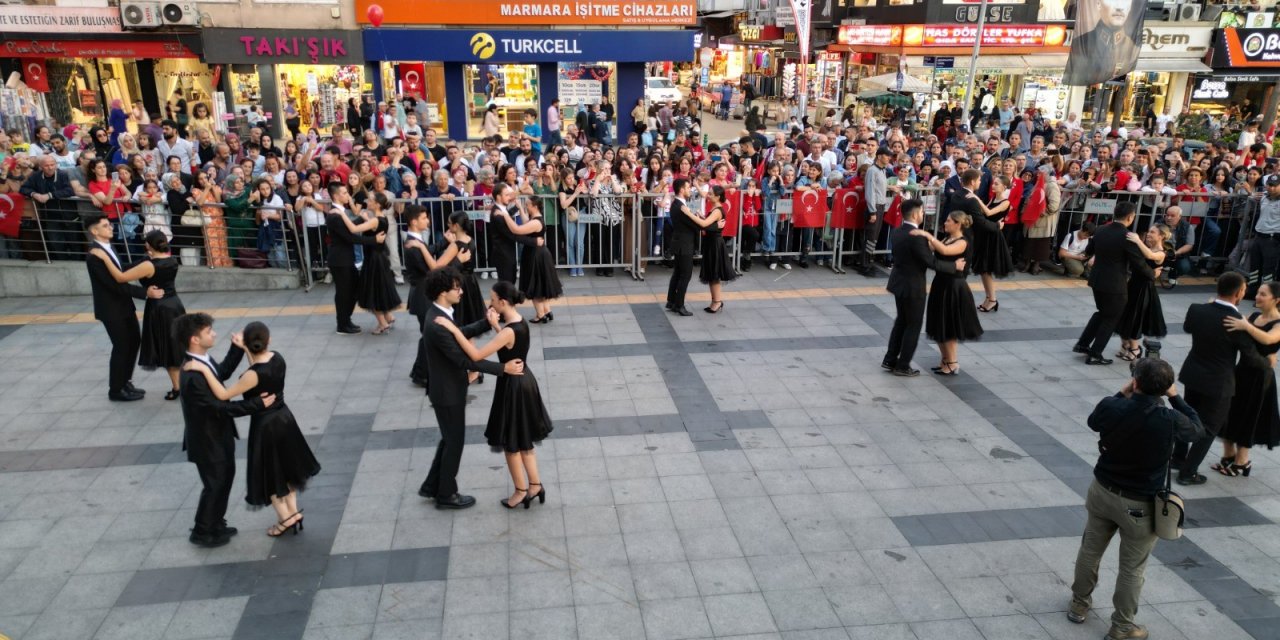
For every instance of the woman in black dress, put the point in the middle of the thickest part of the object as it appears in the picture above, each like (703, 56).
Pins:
(991, 258)
(538, 279)
(518, 418)
(1143, 315)
(1254, 419)
(717, 266)
(952, 317)
(159, 270)
(378, 292)
(280, 461)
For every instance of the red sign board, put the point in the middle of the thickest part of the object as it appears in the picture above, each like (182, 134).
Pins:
(953, 35)
(93, 49)
(870, 35)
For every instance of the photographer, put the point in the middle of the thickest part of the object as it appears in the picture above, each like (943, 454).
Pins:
(1137, 436)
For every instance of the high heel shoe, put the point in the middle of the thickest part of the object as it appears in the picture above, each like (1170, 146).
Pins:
(1129, 355)
(479, 379)
(1225, 466)
(718, 304)
(524, 501)
(538, 320)
(541, 495)
(946, 369)
(296, 526)
(172, 395)
(995, 306)
(1242, 469)
(549, 317)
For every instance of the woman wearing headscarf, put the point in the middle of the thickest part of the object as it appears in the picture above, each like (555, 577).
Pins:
(101, 141)
(118, 119)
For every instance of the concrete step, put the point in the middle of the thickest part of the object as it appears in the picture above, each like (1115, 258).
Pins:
(20, 278)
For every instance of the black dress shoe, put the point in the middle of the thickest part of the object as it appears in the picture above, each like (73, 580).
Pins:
(1080, 349)
(209, 540)
(124, 396)
(1095, 359)
(886, 365)
(128, 386)
(684, 311)
(906, 373)
(421, 382)
(349, 330)
(455, 501)
(671, 307)
(1192, 479)
(228, 531)
(426, 494)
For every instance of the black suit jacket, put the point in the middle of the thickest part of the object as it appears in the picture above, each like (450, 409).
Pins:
(1210, 366)
(415, 271)
(1114, 259)
(447, 364)
(111, 300)
(210, 427)
(342, 241)
(685, 232)
(912, 258)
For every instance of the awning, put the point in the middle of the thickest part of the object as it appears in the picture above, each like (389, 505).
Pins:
(1172, 65)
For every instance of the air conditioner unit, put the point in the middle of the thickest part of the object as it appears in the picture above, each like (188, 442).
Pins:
(179, 13)
(140, 15)
(1185, 13)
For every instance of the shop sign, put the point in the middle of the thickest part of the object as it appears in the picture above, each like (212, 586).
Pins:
(547, 12)
(93, 49)
(1230, 78)
(467, 45)
(1211, 89)
(281, 46)
(995, 13)
(1247, 48)
(759, 32)
(1167, 40)
(881, 35)
(22, 18)
(580, 91)
(940, 62)
(1036, 35)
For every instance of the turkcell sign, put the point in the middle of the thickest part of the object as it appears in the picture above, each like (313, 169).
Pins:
(486, 46)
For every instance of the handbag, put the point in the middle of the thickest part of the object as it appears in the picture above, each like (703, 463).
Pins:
(571, 213)
(1171, 512)
(193, 218)
(247, 258)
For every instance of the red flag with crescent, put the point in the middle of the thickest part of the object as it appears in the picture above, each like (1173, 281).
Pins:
(413, 79)
(11, 206)
(35, 75)
(732, 204)
(809, 208)
(893, 215)
(847, 209)
(1036, 203)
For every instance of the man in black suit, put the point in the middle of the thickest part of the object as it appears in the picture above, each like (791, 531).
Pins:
(1114, 258)
(113, 307)
(911, 259)
(1208, 373)
(448, 366)
(502, 243)
(210, 434)
(342, 257)
(684, 242)
(416, 270)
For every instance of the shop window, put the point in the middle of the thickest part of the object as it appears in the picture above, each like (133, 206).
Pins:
(320, 92)
(511, 88)
(585, 83)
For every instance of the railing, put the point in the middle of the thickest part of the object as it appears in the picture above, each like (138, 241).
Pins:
(628, 231)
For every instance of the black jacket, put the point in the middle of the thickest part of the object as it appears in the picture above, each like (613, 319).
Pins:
(912, 258)
(111, 300)
(685, 231)
(415, 271)
(1114, 259)
(1138, 434)
(59, 186)
(210, 428)
(447, 364)
(1210, 366)
(342, 241)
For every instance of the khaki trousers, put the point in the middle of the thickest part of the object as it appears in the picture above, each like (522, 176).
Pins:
(1109, 513)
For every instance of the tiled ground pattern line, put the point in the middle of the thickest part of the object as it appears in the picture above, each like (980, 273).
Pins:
(1253, 610)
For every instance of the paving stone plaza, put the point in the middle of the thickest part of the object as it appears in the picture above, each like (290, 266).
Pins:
(752, 474)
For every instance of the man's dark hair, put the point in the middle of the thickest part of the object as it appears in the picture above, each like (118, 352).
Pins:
(883, 152)
(970, 175)
(1125, 210)
(909, 207)
(168, 123)
(1229, 283)
(678, 185)
(439, 281)
(188, 325)
(1089, 228)
(412, 211)
(1153, 375)
(90, 219)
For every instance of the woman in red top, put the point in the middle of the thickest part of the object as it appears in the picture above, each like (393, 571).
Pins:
(106, 189)
(1257, 156)
(1194, 185)
(752, 205)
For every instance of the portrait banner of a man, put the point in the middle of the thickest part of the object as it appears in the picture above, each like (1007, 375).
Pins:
(1107, 37)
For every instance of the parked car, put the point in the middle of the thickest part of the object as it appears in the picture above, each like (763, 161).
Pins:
(658, 90)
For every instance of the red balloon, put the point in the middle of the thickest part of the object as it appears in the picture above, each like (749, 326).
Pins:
(375, 15)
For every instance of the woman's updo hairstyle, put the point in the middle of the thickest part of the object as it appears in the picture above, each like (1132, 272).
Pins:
(508, 292)
(157, 241)
(719, 191)
(961, 218)
(463, 221)
(256, 337)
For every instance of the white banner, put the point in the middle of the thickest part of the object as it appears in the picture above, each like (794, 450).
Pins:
(801, 9)
(34, 19)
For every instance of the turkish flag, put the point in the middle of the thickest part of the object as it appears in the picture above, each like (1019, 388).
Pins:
(1036, 203)
(809, 208)
(732, 203)
(847, 209)
(893, 215)
(11, 205)
(35, 75)
(413, 79)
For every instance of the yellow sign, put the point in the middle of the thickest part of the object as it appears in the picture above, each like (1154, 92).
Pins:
(483, 46)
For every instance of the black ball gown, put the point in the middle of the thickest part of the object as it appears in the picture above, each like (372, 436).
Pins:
(377, 284)
(159, 349)
(1254, 419)
(538, 279)
(474, 301)
(990, 249)
(1143, 315)
(950, 311)
(280, 459)
(518, 419)
(717, 266)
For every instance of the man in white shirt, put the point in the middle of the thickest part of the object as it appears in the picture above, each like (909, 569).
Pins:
(554, 121)
(1072, 251)
(172, 144)
(823, 156)
(1162, 122)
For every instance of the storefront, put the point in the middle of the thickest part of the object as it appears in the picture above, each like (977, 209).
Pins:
(422, 80)
(1245, 67)
(274, 71)
(518, 70)
(79, 61)
(1171, 56)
